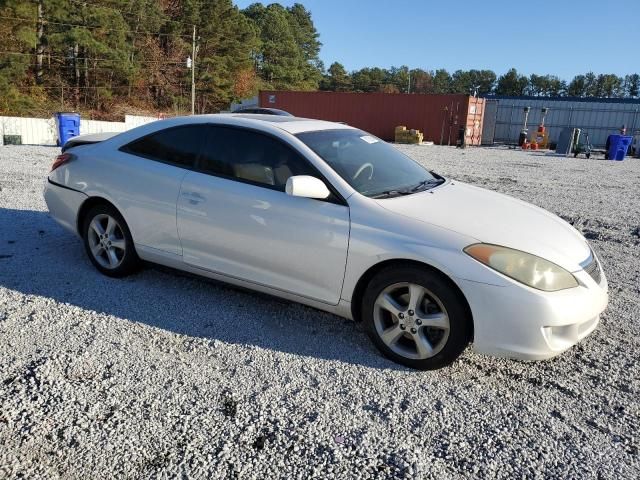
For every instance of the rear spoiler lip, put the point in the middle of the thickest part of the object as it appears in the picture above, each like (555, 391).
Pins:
(88, 139)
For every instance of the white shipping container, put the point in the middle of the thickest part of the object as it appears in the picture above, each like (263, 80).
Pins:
(600, 117)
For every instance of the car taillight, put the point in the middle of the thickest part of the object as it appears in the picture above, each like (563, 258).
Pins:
(60, 160)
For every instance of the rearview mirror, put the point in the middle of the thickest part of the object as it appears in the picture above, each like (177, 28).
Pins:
(306, 186)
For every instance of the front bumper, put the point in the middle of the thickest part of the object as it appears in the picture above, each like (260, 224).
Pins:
(516, 321)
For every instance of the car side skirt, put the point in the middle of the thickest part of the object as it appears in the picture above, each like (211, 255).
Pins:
(342, 309)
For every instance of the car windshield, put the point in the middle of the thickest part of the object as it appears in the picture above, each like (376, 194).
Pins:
(371, 166)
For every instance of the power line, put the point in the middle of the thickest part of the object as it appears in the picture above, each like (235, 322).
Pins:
(152, 62)
(128, 32)
(73, 87)
(132, 14)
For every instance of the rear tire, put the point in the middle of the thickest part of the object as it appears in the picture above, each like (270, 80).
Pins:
(416, 317)
(108, 242)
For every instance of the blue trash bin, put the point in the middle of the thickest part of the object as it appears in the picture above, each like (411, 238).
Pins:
(618, 146)
(68, 125)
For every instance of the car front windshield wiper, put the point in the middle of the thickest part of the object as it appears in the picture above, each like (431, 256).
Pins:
(422, 186)
(427, 184)
(391, 193)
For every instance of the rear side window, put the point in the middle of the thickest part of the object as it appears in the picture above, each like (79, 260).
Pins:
(178, 146)
(251, 157)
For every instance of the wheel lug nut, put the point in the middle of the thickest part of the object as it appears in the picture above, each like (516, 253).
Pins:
(413, 330)
(401, 315)
(410, 312)
(418, 322)
(402, 327)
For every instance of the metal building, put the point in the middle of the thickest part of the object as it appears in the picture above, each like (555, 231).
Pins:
(601, 117)
(439, 117)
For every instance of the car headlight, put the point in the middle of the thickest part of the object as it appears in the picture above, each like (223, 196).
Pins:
(533, 271)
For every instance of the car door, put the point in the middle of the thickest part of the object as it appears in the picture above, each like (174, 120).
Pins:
(235, 218)
(146, 182)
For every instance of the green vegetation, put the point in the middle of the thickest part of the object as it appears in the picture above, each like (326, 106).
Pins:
(107, 57)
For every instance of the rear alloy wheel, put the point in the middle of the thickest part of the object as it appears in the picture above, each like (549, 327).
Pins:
(416, 318)
(108, 242)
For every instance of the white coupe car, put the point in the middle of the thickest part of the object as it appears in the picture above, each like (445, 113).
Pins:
(329, 216)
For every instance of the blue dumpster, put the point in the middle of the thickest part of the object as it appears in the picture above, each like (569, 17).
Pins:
(68, 125)
(618, 146)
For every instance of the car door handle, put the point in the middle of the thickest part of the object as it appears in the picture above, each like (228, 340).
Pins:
(193, 197)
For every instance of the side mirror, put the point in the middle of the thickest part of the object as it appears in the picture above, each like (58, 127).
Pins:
(306, 186)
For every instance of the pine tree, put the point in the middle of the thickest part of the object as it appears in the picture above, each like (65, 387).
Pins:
(577, 86)
(512, 83)
(17, 37)
(590, 85)
(484, 80)
(461, 82)
(441, 81)
(337, 79)
(632, 85)
(225, 45)
(306, 37)
(280, 59)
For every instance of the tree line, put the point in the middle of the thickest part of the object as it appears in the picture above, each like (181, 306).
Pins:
(108, 57)
(477, 82)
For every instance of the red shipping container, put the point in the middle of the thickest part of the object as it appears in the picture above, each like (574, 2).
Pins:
(439, 117)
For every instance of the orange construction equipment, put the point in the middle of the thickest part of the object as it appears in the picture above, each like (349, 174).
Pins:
(542, 135)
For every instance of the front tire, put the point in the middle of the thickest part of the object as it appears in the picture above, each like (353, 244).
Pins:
(416, 317)
(108, 242)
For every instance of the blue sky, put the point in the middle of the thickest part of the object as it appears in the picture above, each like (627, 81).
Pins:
(559, 37)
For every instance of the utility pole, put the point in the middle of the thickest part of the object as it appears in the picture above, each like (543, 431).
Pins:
(39, 41)
(409, 86)
(193, 73)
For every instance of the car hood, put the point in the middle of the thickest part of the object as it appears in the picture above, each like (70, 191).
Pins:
(492, 217)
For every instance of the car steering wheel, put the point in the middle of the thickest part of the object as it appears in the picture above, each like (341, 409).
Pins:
(362, 169)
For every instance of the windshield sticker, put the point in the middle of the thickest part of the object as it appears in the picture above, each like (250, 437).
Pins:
(369, 139)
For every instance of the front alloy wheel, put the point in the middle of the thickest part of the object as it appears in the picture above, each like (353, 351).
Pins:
(416, 316)
(411, 320)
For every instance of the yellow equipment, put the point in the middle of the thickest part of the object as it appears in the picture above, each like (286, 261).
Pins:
(408, 136)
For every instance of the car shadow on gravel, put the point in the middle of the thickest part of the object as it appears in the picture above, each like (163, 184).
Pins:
(38, 257)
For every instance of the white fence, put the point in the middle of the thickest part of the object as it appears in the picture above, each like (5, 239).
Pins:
(42, 131)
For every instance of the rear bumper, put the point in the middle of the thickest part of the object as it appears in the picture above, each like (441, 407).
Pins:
(64, 204)
(519, 322)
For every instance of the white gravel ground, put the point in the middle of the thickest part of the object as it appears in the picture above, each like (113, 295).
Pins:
(162, 375)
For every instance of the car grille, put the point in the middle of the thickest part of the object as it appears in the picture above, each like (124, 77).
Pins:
(593, 269)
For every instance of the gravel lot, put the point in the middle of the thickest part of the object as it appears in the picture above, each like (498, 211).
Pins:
(163, 375)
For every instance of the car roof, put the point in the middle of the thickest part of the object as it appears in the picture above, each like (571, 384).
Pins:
(292, 125)
(273, 123)
(272, 111)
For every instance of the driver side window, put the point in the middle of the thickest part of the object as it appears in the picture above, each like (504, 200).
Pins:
(251, 157)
